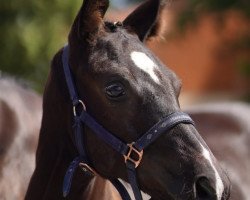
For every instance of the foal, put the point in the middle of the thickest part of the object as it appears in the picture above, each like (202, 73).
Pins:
(127, 90)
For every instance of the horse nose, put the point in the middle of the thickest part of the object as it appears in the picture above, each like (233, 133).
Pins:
(204, 189)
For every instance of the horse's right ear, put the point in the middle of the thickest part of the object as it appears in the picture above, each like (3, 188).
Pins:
(89, 19)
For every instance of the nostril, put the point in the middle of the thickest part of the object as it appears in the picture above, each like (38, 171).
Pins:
(204, 190)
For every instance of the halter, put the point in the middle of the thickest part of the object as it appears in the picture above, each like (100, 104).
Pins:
(132, 153)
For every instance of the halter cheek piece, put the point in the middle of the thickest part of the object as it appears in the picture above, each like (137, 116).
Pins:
(132, 153)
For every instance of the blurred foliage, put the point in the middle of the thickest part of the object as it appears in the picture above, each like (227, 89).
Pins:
(31, 33)
(243, 63)
(244, 66)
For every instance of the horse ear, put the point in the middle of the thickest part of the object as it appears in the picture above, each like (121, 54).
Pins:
(89, 19)
(145, 20)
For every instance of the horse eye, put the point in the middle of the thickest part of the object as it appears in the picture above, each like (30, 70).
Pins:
(115, 90)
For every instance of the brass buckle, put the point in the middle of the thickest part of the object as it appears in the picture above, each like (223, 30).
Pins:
(88, 169)
(80, 102)
(132, 149)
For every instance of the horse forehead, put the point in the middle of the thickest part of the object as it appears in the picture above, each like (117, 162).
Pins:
(142, 61)
(126, 53)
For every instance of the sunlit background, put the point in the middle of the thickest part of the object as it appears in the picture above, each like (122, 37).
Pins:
(207, 43)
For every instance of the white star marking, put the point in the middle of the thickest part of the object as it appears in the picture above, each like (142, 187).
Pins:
(143, 62)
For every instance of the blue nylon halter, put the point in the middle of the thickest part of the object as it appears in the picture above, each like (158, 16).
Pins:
(124, 149)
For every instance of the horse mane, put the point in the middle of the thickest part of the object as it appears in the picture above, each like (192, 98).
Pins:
(20, 118)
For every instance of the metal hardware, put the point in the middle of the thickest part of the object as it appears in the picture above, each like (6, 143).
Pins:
(132, 150)
(87, 168)
(80, 102)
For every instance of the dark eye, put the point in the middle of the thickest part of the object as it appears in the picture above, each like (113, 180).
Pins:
(115, 90)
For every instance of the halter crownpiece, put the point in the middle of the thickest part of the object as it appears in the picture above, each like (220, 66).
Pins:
(132, 153)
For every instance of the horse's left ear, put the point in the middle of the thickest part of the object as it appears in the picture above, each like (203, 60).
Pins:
(145, 20)
(89, 19)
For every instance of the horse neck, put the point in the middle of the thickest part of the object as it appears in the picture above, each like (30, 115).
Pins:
(55, 148)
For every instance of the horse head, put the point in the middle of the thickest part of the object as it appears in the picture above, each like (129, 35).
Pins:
(128, 90)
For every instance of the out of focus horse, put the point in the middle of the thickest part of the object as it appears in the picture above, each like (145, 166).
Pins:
(20, 119)
(226, 129)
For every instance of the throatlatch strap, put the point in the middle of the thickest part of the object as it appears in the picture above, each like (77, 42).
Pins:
(121, 189)
(133, 181)
(78, 131)
(67, 182)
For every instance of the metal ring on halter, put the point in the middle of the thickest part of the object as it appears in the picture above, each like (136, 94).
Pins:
(133, 150)
(86, 168)
(80, 102)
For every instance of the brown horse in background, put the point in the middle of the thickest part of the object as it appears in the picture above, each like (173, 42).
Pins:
(20, 119)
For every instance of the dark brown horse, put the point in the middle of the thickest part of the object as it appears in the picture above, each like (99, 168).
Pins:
(127, 90)
(20, 120)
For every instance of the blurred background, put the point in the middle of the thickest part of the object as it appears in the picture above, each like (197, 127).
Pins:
(207, 43)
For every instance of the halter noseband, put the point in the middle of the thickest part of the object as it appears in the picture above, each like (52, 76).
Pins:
(126, 150)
